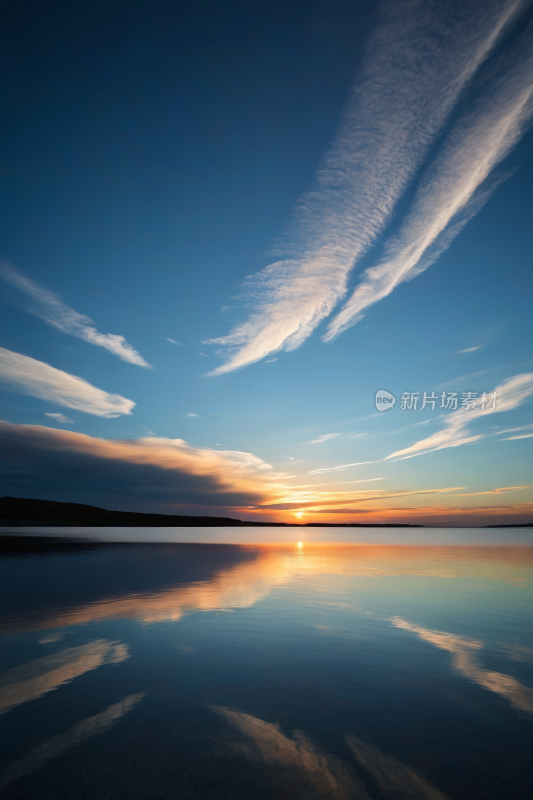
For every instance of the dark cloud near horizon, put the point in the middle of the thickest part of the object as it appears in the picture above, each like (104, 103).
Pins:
(36, 463)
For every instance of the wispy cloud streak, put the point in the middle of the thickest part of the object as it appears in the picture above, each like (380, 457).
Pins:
(456, 431)
(58, 745)
(420, 58)
(49, 307)
(454, 188)
(510, 394)
(59, 417)
(328, 500)
(341, 468)
(470, 349)
(29, 376)
(325, 437)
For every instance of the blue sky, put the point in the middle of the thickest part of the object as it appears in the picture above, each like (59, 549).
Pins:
(156, 155)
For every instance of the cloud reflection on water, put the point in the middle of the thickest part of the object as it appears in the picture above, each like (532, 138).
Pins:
(33, 679)
(328, 775)
(394, 778)
(244, 584)
(464, 661)
(58, 745)
(311, 576)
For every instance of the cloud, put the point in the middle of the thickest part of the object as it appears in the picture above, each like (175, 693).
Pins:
(513, 438)
(392, 117)
(499, 490)
(180, 344)
(271, 360)
(146, 474)
(514, 430)
(327, 436)
(441, 516)
(456, 432)
(470, 349)
(49, 307)
(324, 438)
(28, 376)
(474, 379)
(155, 474)
(61, 743)
(454, 188)
(342, 467)
(192, 415)
(364, 480)
(59, 417)
(317, 501)
(464, 653)
(400, 264)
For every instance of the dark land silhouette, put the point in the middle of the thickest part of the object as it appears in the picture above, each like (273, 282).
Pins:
(25, 511)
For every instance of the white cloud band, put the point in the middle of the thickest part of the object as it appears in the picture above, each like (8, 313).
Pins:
(48, 306)
(391, 119)
(29, 376)
(510, 394)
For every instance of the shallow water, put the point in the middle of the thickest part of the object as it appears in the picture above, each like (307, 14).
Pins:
(379, 668)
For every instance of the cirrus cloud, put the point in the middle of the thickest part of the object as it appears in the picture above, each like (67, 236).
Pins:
(393, 116)
(454, 188)
(510, 394)
(59, 417)
(23, 374)
(49, 307)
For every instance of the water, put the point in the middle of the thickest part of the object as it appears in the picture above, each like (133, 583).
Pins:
(266, 535)
(384, 667)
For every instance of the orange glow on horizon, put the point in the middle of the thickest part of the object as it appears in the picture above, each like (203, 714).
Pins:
(431, 516)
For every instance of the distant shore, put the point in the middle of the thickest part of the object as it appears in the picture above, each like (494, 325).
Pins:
(20, 511)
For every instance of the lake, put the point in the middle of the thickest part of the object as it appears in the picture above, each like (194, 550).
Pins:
(274, 663)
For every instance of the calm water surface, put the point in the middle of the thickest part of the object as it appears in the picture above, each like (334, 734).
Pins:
(397, 665)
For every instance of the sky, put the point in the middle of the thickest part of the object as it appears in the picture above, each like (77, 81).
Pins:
(225, 227)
